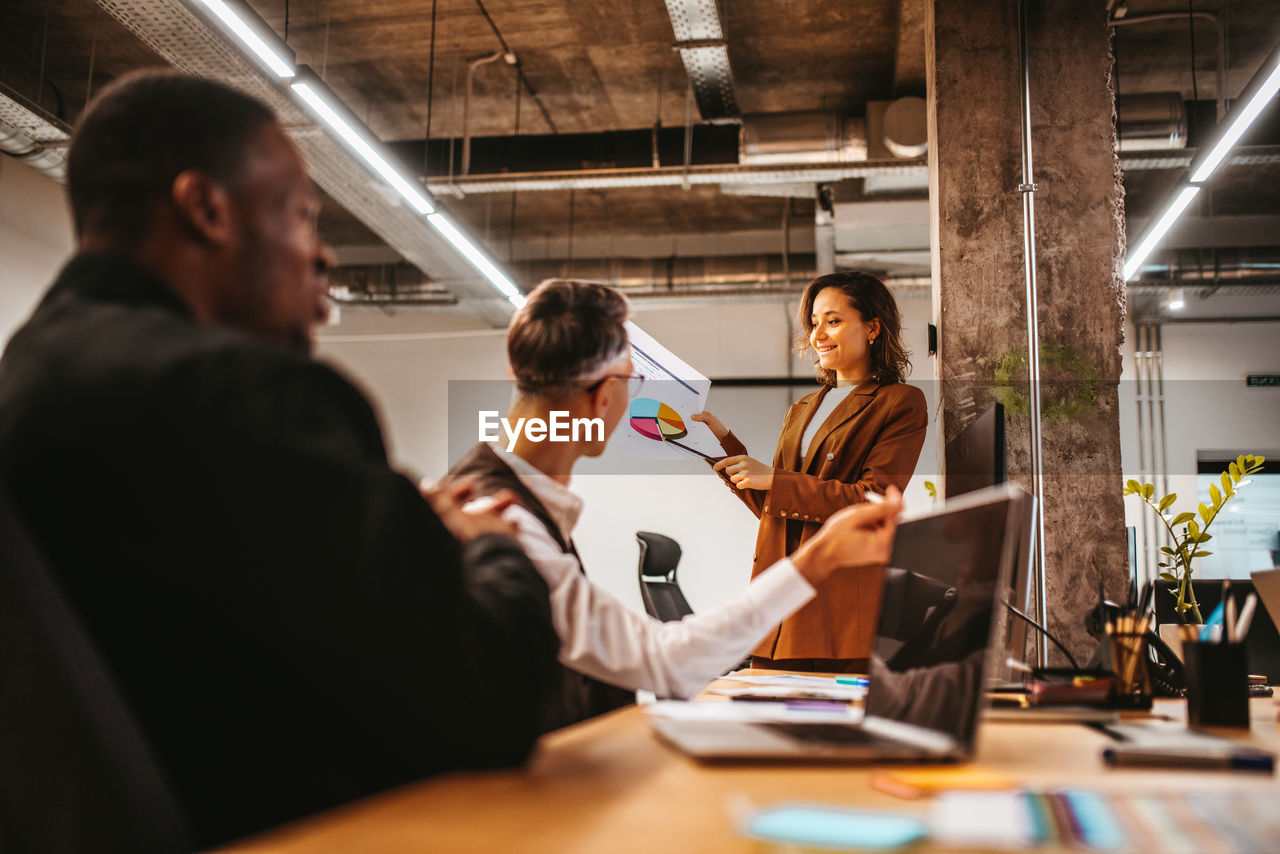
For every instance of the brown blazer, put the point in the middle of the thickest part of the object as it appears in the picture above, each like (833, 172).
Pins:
(871, 440)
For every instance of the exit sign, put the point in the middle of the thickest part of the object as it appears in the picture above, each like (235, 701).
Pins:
(1262, 380)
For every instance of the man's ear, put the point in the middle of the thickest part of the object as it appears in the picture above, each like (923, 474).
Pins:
(203, 206)
(601, 400)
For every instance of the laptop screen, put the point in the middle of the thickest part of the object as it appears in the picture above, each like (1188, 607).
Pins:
(938, 610)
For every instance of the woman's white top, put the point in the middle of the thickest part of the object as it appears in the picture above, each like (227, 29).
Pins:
(830, 401)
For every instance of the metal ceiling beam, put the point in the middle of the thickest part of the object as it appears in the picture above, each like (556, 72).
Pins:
(700, 40)
(673, 176)
(188, 42)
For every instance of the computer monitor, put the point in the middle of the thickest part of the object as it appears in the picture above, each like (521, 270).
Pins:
(975, 459)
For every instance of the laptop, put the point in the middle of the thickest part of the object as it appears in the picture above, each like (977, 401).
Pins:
(926, 689)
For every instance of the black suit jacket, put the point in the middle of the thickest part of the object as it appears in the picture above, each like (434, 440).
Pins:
(291, 623)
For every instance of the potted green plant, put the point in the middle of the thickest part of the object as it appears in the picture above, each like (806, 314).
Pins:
(1177, 565)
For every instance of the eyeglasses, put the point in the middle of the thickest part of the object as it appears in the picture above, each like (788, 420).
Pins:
(634, 383)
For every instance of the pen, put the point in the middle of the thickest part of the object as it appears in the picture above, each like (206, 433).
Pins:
(1241, 761)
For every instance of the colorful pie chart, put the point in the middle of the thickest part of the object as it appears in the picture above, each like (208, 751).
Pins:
(655, 420)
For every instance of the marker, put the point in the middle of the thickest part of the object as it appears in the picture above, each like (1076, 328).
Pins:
(1240, 761)
(853, 680)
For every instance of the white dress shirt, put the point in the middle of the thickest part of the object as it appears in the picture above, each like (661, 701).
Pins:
(602, 638)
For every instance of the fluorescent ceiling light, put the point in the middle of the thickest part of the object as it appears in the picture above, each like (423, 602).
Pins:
(1241, 119)
(1177, 300)
(1157, 232)
(242, 29)
(477, 258)
(358, 143)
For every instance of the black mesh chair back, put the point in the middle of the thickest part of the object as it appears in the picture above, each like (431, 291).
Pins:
(75, 772)
(907, 600)
(659, 556)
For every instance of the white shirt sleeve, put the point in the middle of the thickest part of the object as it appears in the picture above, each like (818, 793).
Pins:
(603, 638)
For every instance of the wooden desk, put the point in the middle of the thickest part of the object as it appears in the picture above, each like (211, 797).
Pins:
(608, 785)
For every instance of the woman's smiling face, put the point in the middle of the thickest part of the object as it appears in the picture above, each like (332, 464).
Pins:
(840, 336)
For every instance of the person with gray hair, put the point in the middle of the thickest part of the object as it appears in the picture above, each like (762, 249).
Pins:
(569, 352)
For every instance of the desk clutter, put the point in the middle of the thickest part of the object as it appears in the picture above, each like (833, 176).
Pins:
(1232, 822)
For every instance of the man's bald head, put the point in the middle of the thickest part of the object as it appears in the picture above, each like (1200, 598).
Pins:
(139, 134)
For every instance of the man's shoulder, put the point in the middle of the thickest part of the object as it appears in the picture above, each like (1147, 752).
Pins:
(142, 365)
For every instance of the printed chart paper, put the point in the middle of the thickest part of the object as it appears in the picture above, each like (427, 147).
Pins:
(658, 423)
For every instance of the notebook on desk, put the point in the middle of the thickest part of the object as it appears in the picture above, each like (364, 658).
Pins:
(925, 698)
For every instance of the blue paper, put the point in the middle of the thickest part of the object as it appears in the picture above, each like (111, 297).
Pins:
(836, 828)
(1215, 619)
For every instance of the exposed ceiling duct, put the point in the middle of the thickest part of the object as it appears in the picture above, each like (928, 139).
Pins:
(809, 137)
(188, 42)
(27, 134)
(1150, 122)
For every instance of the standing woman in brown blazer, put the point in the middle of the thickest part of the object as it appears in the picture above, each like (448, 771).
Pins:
(860, 433)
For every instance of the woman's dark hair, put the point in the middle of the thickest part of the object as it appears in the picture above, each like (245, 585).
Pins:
(566, 332)
(867, 294)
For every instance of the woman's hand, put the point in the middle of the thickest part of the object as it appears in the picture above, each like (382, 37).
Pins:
(717, 426)
(746, 472)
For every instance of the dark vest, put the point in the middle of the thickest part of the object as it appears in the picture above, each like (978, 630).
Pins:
(581, 697)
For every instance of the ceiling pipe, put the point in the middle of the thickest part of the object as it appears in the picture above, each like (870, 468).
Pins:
(22, 147)
(472, 65)
(1182, 16)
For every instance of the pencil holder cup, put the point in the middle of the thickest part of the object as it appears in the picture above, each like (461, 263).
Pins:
(1217, 684)
(1129, 663)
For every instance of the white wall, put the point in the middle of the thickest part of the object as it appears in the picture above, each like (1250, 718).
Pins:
(408, 374)
(35, 239)
(1207, 405)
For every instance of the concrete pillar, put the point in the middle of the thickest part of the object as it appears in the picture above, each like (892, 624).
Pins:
(974, 113)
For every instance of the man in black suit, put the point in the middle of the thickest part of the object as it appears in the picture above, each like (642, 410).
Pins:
(293, 625)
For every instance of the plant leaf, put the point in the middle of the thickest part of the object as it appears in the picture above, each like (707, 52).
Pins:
(1183, 518)
(1148, 490)
(1216, 495)
(1205, 513)
(1204, 538)
(1132, 487)
(1168, 576)
(1234, 471)
(1226, 484)
(1192, 527)
(1170, 552)
(1201, 554)
(1167, 500)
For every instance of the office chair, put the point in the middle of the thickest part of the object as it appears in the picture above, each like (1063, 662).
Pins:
(907, 600)
(75, 772)
(659, 556)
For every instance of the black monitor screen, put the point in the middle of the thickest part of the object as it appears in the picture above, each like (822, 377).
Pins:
(936, 612)
(975, 459)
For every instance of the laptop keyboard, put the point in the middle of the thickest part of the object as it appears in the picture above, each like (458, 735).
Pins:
(816, 733)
